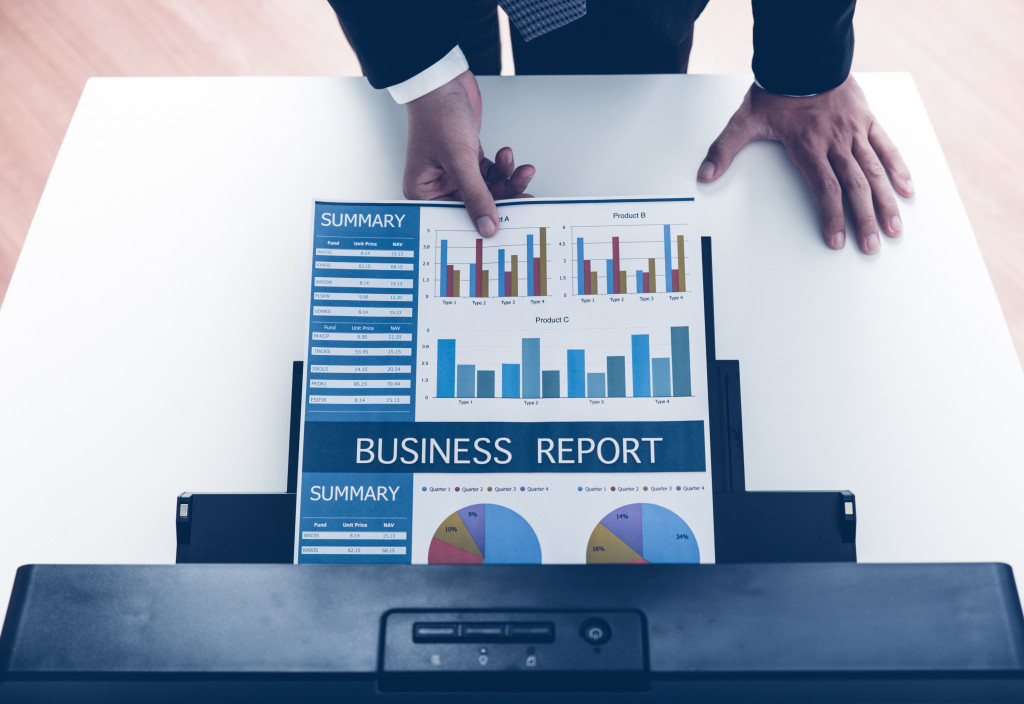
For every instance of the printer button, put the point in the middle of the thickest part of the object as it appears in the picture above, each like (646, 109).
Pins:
(532, 632)
(435, 631)
(472, 631)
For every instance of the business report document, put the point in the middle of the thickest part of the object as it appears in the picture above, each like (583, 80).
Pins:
(537, 397)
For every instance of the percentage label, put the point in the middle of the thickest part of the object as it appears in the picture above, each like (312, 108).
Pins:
(598, 548)
(451, 529)
(471, 514)
(682, 536)
(621, 515)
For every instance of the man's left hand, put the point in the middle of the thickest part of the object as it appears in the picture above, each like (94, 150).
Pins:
(835, 141)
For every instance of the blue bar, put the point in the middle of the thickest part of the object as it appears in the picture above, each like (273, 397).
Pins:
(444, 267)
(641, 365)
(510, 381)
(580, 283)
(610, 277)
(662, 372)
(616, 377)
(465, 380)
(529, 292)
(577, 378)
(668, 259)
(472, 281)
(595, 385)
(639, 281)
(551, 383)
(681, 361)
(446, 368)
(485, 383)
(501, 272)
(531, 367)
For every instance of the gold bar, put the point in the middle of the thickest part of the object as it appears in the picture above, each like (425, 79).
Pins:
(652, 286)
(682, 264)
(484, 284)
(593, 282)
(515, 276)
(543, 261)
(622, 282)
(455, 283)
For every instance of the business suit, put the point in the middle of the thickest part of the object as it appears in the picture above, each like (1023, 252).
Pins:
(800, 46)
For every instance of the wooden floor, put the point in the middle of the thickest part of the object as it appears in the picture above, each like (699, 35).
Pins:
(966, 58)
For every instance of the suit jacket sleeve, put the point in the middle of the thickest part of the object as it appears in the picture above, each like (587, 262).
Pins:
(396, 41)
(802, 47)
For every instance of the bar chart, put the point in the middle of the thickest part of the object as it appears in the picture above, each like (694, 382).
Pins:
(580, 373)
(470, 267)
(628, 259)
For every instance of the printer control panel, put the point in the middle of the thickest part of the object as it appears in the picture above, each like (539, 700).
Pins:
(520, 650)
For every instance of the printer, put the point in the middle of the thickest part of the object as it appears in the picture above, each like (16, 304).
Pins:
(785, 614)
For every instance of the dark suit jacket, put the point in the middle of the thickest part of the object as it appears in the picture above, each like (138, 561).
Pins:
(800, 46)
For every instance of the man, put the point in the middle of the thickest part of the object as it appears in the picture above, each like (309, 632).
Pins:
(426, 54)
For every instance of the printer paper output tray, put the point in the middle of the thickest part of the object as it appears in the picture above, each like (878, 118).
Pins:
(750, 526)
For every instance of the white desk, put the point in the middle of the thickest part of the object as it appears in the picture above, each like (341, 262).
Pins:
(893, 376)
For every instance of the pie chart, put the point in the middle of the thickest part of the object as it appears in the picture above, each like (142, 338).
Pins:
(484, 534)
(642, 534)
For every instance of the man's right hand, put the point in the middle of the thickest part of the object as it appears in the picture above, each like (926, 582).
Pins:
(445, 161)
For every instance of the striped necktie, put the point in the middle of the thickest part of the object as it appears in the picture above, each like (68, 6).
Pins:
(536, 17)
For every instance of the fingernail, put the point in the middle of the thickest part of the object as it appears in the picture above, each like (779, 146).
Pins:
(896, 225)
(485, 226)
(707, 170)
(909, 186)
(838, 240)
(871, 243)
(527, 182)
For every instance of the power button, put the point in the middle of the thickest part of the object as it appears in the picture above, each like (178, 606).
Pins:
(595, 631)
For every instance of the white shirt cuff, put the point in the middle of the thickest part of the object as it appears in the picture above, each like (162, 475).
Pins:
(430, 78)
(784, 95)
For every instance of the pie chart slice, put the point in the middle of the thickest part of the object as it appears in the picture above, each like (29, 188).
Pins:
(606, 547)
(442, 553)
(627, 523)
(484, 533)
(660, 534)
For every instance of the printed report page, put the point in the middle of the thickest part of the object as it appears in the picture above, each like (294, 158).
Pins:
(537, 397)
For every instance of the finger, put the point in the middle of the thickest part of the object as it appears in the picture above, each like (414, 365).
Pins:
(891, 159)
(514, 186)
(886, 208)
(858, 194)
(504, 166)
(741, 130)
(822, 179)
(464, 168)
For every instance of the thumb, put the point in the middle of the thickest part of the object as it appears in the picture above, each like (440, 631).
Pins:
(465, 172)
(740, 132)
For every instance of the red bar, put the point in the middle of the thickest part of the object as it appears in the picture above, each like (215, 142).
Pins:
(675, 279)
(536, 277)
(647, 282)
(508, 283)
(448, 288)
(615, 265)
(478, 285)
(586, 277)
